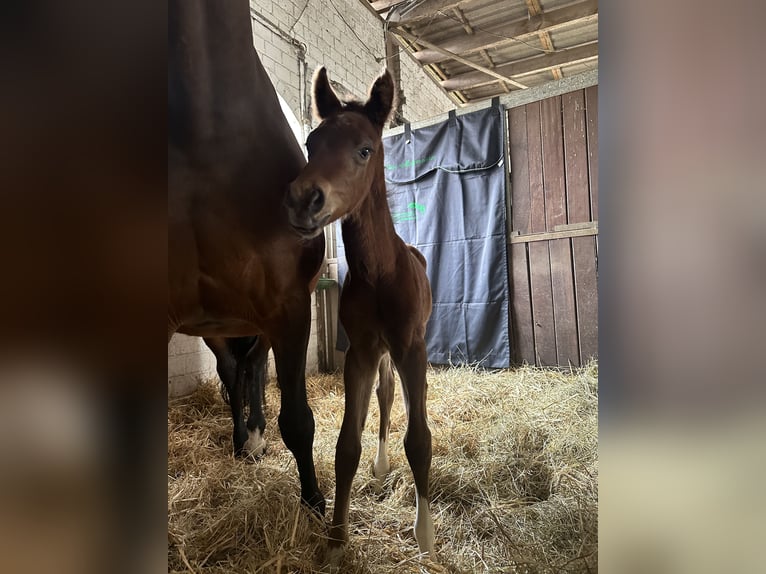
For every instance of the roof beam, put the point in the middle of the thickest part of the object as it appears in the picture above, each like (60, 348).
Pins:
(514, 99)
(524, 28)
(383, 5)
(460, 16)
(481, 70)
(426, 9)
(521, 67)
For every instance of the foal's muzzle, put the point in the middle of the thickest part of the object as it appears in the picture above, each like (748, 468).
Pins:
(304, 204)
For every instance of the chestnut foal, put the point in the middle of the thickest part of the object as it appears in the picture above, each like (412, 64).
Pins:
(386, 298)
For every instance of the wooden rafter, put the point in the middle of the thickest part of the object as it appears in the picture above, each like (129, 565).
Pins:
(381, 6)
(534, 9)
(533, 6)
(426, 9)
(523, 29)
(528, 66)
(463, 20)
(479, 68)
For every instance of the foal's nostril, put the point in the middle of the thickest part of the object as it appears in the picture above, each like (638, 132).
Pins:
(316, 200)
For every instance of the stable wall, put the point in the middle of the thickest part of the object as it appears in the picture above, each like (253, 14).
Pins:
(347, 39)
(293, 38)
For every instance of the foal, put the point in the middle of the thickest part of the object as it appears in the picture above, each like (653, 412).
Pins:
(386, 298)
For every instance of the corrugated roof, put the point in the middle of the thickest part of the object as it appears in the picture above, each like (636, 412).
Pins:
(478, 49)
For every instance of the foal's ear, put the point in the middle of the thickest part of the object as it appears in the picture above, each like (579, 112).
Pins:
(326, 102)
(381, 99)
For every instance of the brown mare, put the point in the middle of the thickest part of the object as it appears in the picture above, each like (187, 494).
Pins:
(236, 266)
(386, 298)
(241, 366)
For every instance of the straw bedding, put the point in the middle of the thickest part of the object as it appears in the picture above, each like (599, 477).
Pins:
(513, 481)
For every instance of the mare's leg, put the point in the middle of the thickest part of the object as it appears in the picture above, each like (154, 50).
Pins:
(385, 393)
(226, 365)
(256, 386)
(411, 364)
(296, 421)
(358, 378)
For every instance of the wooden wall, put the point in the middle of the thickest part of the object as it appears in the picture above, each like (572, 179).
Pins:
(554, 229)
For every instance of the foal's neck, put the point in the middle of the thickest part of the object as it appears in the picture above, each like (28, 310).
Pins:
(369, 235)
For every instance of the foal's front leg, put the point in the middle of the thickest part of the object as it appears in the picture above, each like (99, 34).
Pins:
(358, 377)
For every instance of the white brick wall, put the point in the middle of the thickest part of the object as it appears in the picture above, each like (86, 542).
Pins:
(423, 98)
(189, 362)
(330, 42)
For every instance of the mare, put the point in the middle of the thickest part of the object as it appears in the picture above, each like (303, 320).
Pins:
(236, 265)
(241, 366)
(386, 297)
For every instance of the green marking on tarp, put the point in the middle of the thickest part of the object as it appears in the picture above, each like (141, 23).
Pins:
(410, 162)
(410, 214)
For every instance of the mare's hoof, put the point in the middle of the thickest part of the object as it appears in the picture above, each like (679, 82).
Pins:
(255, 446)
(316, 504)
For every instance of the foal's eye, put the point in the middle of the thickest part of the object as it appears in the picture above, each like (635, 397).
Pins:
(364, 152)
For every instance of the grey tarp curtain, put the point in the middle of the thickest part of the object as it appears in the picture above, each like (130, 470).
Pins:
(446, 191)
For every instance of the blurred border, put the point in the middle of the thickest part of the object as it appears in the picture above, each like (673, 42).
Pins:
(682, 284)
(83, 288)
(83, 246)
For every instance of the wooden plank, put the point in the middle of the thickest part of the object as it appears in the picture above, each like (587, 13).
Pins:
(564, 313)
(539, 258)
(482, 70)
(580, 225)
(581, 53)
(586, 295)
(522, 331)
(562, 280)
(553, 162)
(504, 33)
(535, 163)
(576, 157)
(520, 200)
(542, 304)
(549, 235)
(591, 115)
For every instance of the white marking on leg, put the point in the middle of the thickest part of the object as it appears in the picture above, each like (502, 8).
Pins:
(424, 526)
(255, 445)
(381, 465)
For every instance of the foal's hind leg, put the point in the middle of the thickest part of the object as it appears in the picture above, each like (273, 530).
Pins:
(385, 393)
(256, 383)
(411, 365)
